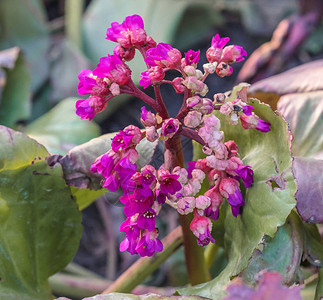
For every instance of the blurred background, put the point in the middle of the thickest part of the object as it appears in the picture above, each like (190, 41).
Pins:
(45, 44)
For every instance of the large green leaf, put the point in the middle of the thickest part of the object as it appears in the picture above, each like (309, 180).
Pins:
(61, 129)
(22, 24)
(268, 202)
(14, 87)
(304, 114)
(282, 253)
(150, 296)
(40, 222)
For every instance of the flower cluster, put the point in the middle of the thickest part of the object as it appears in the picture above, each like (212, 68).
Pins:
(145, 190)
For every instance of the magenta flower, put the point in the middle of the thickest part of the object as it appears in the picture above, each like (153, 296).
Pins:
(137, 33)
(151, 76)
(138, 202)
(201, 227)
(147, 117)
(118, 33)
(263, 126)
(213, 54)
(146, 220)
(192, 57)
(246, 174)
(129, 33)
(253, 122)
(112, 67)
(236, 201)
(169, 184)
(247, 110)
(86, 82)
(169, 128)
(126, 54)
(164, 55)
(130, 136)
(160, 196)
(104, 164)
(84, 110)
(232, 54)
(112, 182)
(148, 243)
(132, 232)
(147, 177)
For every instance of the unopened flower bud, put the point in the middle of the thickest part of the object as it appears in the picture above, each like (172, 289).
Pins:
(151, 134)
(178, 86)
(202, 202)
(209, 68)
(186, 205)
(219, 98)
(224, 69)
(190, 70)
(193, 119)
(114, 89)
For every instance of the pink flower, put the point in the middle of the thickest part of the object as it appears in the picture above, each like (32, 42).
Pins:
(84, 110)
(186, 205)
(246, 174)
(126, 54)
(147, 117)
(169, 183)
(147, 177)
(132, 232)
(224, 69)
(86, 82)
(213, 54)
(232, 54)
(138, 202)
(191, 58)
(112, 67)
(151, 76)
(148, 243)
(105, 163)
(130, 136)
(253, 122)
(170, 127)
(146, 220)
(247, 110)
(164, 55)
(201, 227)
(129, 33)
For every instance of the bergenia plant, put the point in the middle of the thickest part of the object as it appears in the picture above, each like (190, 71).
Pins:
(146, 190)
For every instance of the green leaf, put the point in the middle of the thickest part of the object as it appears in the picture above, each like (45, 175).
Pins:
(15, 97)
(267, 207)
(40, 222)
(85, 197)
(282, 253)
(22, 24)
(150, 296)
(61, 129)
(304, 114)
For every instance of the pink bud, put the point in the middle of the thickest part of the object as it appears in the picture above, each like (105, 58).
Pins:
(186, 205)
(223, 69)
(193, 119)
(147, 117)
(202, 202)
(178, 85)
(151, 134)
